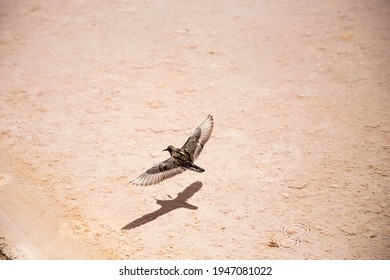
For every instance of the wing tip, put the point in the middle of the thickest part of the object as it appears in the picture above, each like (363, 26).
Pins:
(145, 180)
(209, 121)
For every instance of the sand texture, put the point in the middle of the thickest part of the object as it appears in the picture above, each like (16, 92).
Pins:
(297, 166)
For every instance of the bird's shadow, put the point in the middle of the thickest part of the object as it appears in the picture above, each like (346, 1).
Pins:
(168, 205)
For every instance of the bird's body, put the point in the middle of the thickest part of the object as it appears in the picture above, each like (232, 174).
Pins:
(184, 158)
(181, 158)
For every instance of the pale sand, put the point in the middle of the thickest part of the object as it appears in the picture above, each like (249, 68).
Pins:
(92, 91)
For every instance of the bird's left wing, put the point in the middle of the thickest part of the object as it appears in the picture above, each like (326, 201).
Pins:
(199, 137)
(158, 173)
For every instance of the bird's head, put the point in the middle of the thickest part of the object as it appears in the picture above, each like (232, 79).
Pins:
(169, 149)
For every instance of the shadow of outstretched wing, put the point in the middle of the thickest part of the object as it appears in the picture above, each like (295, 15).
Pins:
(167, 206)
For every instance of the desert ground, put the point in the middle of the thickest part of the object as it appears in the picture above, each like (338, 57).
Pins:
(297, 166)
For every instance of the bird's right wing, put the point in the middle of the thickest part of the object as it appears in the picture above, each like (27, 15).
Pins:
(158, 173)
(199, 137)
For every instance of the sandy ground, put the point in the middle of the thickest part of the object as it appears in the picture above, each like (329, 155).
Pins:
(298, 164)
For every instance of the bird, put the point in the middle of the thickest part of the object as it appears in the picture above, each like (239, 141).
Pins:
(181, 159)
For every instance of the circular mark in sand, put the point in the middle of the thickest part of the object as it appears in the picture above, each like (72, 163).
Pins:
(288, 242)
(4, 178)
(296, 230)
(293, 234)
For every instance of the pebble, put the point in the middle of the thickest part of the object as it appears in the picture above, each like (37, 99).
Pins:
(335, 186)
(372, 235)
(298, 186)
(157, 130)
(156, 104)
(4, 179)
(383, 204)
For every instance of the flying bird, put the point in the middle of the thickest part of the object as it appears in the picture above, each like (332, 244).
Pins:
(181, 158)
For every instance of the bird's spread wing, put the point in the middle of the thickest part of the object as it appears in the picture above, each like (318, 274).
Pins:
(199, 137)
(158, 173)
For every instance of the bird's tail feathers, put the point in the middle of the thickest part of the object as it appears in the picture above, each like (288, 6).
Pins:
(196, 168)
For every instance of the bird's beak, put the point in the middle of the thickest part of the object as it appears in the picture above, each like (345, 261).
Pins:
(165, 150)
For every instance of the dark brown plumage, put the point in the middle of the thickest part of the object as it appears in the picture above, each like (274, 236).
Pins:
(181, 159)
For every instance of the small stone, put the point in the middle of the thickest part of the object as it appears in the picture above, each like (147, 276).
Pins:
(214, 52)
(156, 104)
(383, 204)
(346, 36)
(286, 195)
(157, 130)
(298, 185)
(4, 179)
(372, 235)
(272, 244)
(291, 231)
